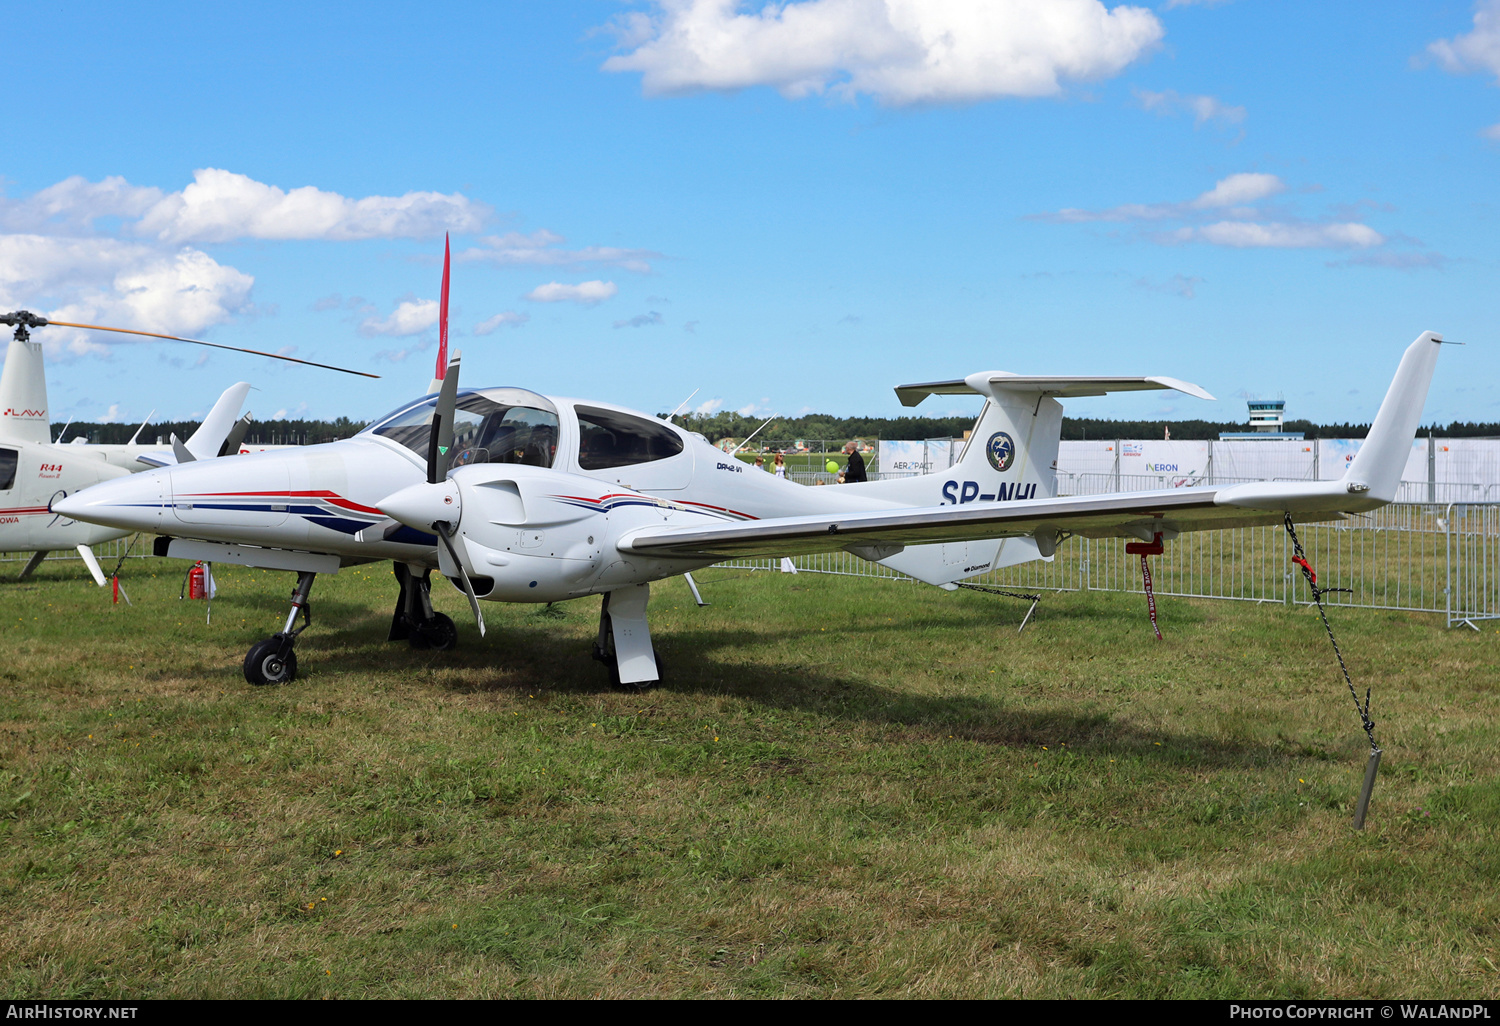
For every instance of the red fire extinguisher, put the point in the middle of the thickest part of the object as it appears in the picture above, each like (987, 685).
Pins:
(196, 587)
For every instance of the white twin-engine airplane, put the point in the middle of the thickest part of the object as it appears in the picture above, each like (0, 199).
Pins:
(530, 498)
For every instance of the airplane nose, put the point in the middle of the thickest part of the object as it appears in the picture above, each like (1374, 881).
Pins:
(422, 505)
(129, 503)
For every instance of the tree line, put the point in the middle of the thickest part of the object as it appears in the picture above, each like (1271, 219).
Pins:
(784, 429)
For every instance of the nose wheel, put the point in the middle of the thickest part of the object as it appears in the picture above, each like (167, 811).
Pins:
(267, 663)
(439, 633)
(414, 619)
(273, 661)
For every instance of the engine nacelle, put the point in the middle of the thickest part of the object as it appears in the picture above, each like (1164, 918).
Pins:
(531, 534)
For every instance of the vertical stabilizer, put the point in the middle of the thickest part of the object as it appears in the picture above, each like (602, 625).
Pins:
(23, 395)
(1010, 455)
(1382, 457)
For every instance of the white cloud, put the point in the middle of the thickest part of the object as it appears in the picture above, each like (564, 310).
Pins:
(411, 317)
(73, 204)
(1492, 132)
(899, 51)
(588, 293)
(1233, 214)
(1244, 234)
(706, 409)
(1203, 108)
(125, 284)
(508, 319)
(1477, 50)
(1237, 189)
(544, 247)
(220, 206)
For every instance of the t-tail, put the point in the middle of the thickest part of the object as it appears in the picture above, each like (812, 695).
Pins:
(1009, 456)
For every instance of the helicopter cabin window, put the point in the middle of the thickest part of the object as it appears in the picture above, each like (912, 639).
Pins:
(8, 459)
(495, 425)
(608, 439)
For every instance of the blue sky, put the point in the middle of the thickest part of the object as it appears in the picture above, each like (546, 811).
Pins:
(791, 208)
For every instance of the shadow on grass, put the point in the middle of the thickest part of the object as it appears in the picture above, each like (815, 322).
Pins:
(535, 663)
(546, 652)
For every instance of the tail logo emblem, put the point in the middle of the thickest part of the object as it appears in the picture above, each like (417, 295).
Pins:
(1001, 449)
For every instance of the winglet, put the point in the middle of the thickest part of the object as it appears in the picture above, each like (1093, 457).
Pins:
(1382, 458)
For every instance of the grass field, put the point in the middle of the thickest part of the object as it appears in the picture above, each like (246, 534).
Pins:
(847, 788)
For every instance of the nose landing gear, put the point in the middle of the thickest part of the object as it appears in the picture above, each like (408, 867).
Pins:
(272, 661)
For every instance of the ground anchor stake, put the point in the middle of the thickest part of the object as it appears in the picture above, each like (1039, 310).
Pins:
(1364, 792)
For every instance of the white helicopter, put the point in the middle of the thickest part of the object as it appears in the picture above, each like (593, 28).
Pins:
(34, 471)
(520, 497)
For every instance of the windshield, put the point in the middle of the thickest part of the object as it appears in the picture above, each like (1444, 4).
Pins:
(497, 425)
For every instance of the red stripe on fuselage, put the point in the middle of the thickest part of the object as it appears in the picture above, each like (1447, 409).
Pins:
(334, 498)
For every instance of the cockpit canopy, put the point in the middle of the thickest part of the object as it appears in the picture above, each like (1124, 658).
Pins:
(491, 425)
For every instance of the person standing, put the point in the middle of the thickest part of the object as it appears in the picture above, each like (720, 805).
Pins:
(778, 466)
(855, 471)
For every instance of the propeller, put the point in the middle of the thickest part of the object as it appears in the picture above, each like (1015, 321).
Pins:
(235, 437)
(439, 447)
(22, 320)
(441, 442)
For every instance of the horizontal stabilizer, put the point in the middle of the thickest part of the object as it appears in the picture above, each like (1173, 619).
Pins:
(1062, 387)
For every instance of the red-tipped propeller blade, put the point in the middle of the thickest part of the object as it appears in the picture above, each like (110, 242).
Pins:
(442, 356)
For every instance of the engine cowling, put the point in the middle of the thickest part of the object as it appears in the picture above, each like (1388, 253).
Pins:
(531, 534)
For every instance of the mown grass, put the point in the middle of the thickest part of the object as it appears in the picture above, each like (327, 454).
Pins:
(847, 788)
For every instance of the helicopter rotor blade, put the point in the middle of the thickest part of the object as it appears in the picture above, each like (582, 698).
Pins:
(200, 342)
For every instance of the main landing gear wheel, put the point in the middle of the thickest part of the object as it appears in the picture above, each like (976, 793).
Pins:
(264, 663)
(439, 634)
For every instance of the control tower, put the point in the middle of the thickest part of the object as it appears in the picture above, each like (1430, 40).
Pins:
(1267, 417)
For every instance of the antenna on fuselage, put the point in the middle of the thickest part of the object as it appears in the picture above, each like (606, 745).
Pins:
(681, 405)
(757, 431)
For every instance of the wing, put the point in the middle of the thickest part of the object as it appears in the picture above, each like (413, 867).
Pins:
(1128, 514)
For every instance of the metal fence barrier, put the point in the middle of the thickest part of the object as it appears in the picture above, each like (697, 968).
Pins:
(1420, 557)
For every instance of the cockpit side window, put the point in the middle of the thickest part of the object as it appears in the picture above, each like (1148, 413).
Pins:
(609, 439)
(8, 460)
(484, 431)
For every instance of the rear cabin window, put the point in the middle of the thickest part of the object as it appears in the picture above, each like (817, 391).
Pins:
(608, 439)
(7, 469)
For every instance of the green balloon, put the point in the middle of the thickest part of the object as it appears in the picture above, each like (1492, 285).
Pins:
(833, 467)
